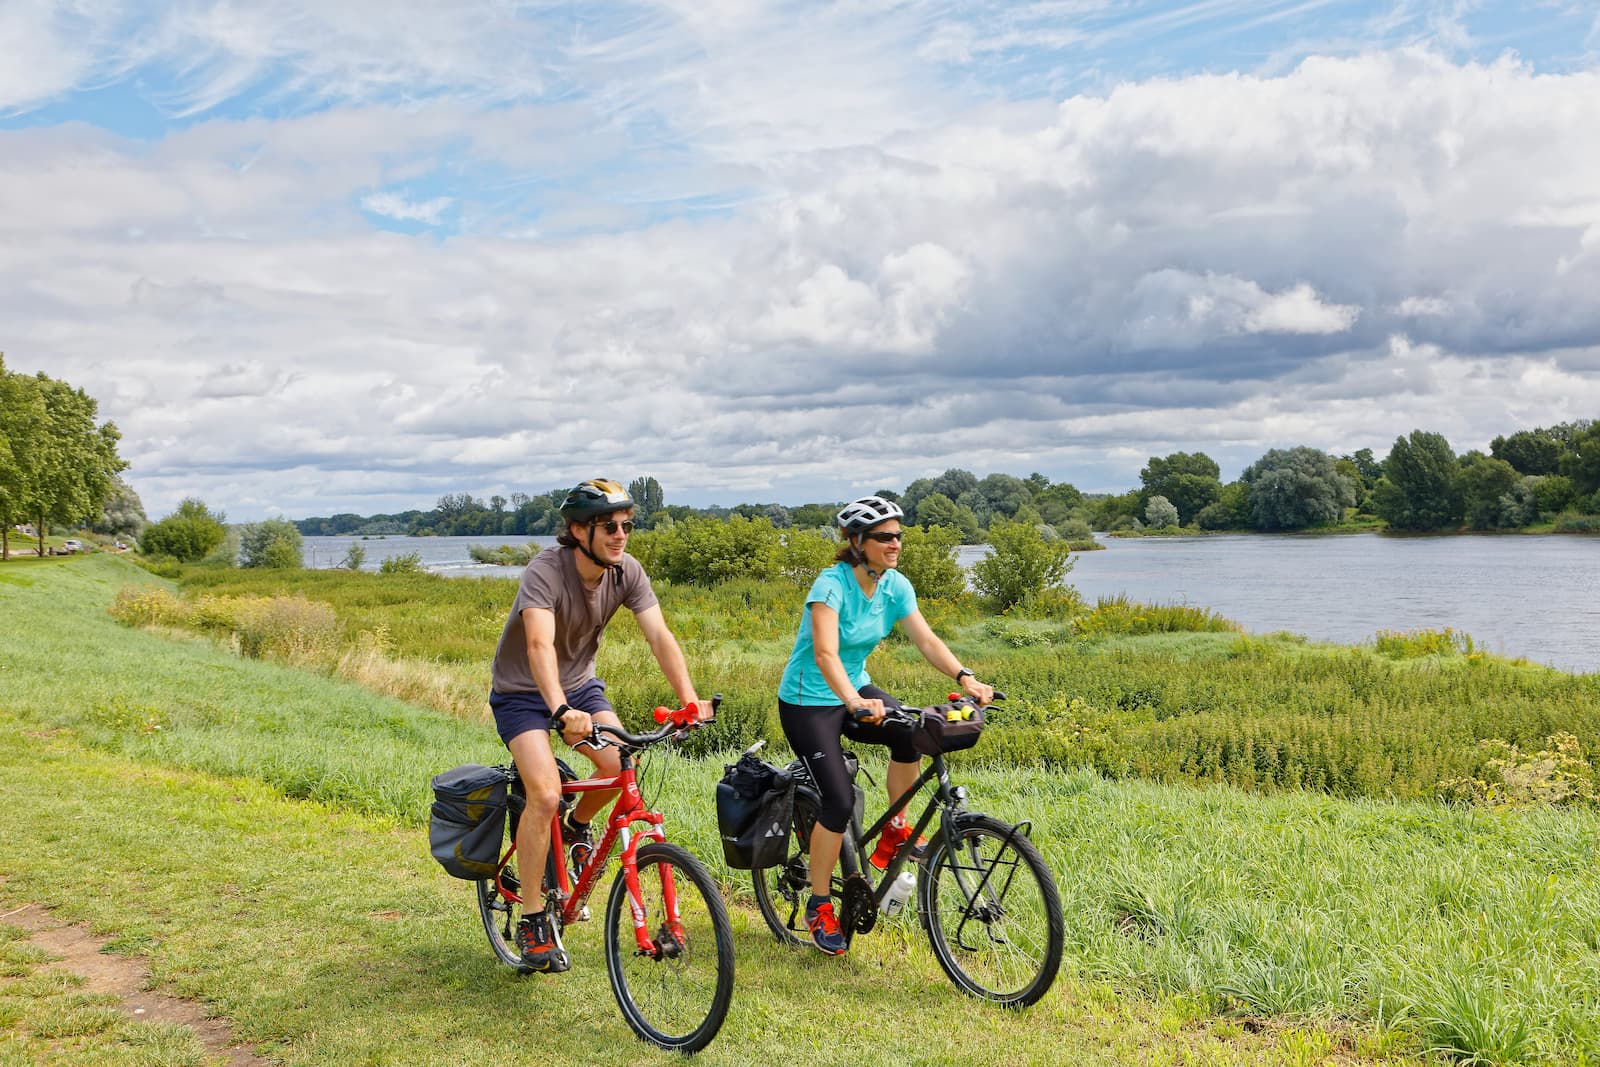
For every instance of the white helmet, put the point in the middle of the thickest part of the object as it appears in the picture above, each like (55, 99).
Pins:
(861, 515)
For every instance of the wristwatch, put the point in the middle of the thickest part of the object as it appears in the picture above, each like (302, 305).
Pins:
(555, 716)
(963, 673)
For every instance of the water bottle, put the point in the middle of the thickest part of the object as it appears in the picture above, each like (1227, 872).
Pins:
(898, 894)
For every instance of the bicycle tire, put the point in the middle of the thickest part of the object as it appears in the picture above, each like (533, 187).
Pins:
(500, 916)
(781, 890)
(676, 1001)
(1006, 949)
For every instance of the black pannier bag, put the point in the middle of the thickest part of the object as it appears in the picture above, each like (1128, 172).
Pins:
(947, 728)
(755, 805)
(467, 825)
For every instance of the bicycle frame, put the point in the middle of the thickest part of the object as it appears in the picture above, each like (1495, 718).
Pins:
(629, 809)
(950, 799)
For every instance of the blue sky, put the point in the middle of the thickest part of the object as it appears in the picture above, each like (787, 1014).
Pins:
(317, 258)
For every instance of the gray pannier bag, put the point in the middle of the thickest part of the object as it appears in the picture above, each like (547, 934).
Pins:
(467, 825)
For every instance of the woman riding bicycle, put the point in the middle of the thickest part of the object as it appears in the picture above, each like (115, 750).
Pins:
(851, 607)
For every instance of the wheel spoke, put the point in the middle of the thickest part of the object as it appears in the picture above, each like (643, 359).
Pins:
(676, 995)
(992, 914)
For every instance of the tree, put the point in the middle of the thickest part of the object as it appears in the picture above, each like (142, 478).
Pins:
(1160, 513)
(187, 534)
(1023, 562)
(940, 510)
(647, 499)
(1230, 511)
(1189, 481)
(1581, 464)
(1482, 483)
(123, 514)
(1418, 487)
(1004, 493)
(62, 463)
(1529, 451)
(1293, 488)
(274, 543)
(22, 428)
(1058, 503)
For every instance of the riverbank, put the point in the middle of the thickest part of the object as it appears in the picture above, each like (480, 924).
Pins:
(284, 880)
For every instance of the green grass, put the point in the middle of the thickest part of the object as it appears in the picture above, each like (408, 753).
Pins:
(1165, 692)
(256, 833)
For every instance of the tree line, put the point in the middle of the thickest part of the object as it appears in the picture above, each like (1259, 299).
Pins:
(58, 466)
(1543, 475)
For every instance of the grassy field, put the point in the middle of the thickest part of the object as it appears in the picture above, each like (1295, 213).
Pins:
(254, 830)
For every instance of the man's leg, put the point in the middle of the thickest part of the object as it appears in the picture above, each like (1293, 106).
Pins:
(607, 764)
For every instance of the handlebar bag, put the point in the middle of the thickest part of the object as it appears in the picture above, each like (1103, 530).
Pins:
(467, 824)
(938, 732)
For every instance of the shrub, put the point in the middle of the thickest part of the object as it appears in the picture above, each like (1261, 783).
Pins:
(274, 543)
(1022, 562)
(354, 557)
(188, 534)
(1556, 774)
(701, 551)
(503, 555)
(410, 563)
(1161, 512)
(1413, 644)
(928, 560)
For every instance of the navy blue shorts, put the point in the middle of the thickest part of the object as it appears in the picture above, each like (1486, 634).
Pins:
(517, 713)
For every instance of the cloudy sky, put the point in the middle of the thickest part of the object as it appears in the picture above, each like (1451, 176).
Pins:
(316, 257)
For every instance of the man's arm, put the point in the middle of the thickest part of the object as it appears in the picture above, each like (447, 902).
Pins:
(539, 628)
(667, 653)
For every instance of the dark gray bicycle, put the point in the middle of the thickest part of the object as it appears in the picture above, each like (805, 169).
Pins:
(984, 895)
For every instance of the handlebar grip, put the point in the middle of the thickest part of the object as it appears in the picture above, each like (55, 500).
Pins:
(859, 714)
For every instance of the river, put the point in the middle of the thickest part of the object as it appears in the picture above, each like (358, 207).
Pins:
(1516, 594)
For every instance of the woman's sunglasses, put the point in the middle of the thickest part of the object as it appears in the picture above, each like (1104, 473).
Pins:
(884, 537)
(611, 526)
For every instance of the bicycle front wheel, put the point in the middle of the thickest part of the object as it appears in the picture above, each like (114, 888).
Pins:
(677, 995)
(500, 916)
(992, 912)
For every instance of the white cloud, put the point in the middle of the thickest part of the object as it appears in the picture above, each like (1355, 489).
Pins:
(395, 206)
(1212, 262)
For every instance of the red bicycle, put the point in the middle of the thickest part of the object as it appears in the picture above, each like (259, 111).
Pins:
(668, 942)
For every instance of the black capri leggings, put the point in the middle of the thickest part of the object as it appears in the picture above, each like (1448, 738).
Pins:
(814, 732)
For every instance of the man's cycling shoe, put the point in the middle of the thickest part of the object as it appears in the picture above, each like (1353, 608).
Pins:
(824, 927)
(894, 835)
(538, 945)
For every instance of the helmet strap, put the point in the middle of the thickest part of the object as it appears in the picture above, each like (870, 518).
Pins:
(588, 550)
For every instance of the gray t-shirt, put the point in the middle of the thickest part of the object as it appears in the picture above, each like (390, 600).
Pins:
(551, 580)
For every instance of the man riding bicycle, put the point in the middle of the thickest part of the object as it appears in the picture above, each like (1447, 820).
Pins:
(546, 660)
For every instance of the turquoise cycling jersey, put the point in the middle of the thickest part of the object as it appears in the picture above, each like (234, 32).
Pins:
(863, 622)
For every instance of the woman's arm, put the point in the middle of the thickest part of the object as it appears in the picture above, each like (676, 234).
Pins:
(941, 659)
(825, 649)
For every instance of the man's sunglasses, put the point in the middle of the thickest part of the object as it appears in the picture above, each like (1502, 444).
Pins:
(884, 537)
(611, 526)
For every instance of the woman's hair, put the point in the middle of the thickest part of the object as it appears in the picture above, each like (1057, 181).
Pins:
(848, 553)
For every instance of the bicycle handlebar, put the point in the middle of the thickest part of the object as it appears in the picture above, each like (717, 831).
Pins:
(677, 723)
(906, 716)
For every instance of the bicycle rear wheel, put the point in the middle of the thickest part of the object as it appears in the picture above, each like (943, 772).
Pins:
(992, 912)
(678, 996)
(781, 891)
(500, 916)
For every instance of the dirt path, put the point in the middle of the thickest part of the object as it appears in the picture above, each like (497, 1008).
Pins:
(125, 977)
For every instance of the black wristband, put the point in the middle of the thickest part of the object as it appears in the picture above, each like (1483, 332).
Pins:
(963, 673)
(555, 716)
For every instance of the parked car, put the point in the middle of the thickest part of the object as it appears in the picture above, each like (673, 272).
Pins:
(69, 546)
